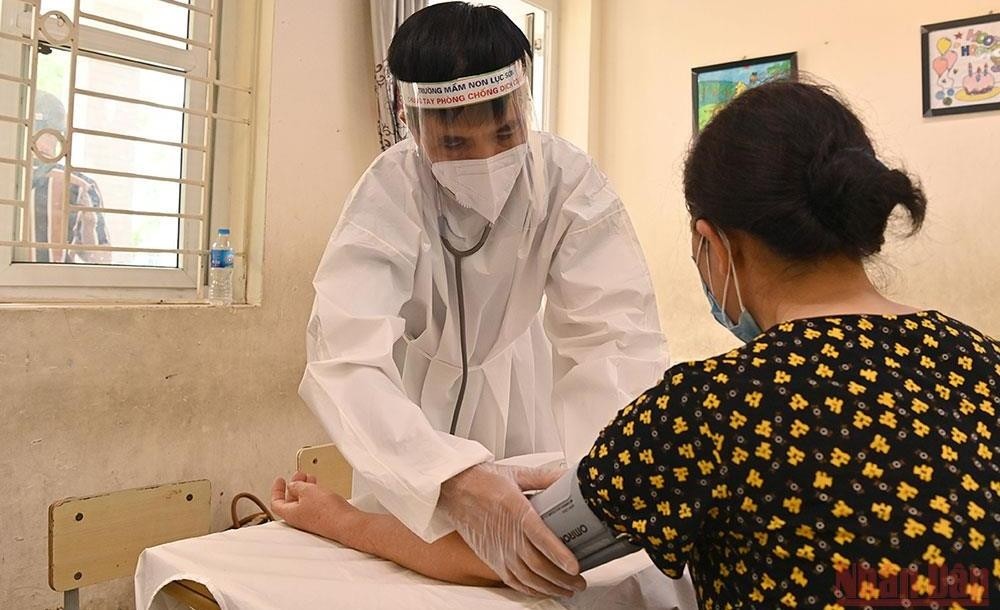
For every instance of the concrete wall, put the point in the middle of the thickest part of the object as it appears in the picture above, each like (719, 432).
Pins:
(871, 51)
(97, 399)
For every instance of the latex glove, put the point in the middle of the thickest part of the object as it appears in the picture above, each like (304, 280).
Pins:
(486, 505)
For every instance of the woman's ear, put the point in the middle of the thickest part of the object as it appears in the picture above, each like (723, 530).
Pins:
(715, 254)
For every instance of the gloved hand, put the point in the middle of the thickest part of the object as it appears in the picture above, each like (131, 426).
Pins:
(487, 507)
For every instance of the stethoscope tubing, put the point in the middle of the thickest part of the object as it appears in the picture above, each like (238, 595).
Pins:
(459, 255)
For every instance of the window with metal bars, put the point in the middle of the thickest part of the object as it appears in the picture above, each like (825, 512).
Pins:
(125, 142)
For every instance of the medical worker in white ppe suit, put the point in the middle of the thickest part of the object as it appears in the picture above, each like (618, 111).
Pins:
(482, 296)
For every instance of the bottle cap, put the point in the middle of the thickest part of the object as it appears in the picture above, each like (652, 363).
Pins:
(223, 231)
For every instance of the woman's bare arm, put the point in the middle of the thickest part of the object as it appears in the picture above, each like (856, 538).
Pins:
(306, 506)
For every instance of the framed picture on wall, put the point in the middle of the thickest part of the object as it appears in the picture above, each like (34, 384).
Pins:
(961, 65)
(712, 87)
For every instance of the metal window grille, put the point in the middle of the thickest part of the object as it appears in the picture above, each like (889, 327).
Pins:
(101, 38)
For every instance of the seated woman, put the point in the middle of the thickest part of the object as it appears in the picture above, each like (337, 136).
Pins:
(853, 441)
(844, 455)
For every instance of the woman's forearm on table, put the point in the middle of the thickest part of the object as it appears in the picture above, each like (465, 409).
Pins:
(448, 558)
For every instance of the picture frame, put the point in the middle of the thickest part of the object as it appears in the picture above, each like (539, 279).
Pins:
(712, 87)
(960, 64)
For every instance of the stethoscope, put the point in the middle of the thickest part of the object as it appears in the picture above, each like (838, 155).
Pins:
(459, 255)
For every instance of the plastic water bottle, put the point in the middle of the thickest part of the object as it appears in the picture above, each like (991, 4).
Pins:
(220, 272)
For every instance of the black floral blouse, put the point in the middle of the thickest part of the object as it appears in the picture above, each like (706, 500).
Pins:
(830, 463)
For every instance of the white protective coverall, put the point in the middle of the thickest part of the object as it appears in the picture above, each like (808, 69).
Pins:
(561, 321)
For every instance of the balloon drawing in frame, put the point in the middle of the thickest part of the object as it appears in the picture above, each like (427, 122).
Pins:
(961, 65)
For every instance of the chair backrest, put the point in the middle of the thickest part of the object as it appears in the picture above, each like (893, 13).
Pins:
(99, 538)
(328, 466)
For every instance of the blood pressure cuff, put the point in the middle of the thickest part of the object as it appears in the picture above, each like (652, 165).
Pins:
(567, 514)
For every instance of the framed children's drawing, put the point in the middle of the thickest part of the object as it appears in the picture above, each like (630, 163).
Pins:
(961, 65)
(712, 87)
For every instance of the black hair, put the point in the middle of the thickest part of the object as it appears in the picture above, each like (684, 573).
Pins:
(789, 163)
(447, 41)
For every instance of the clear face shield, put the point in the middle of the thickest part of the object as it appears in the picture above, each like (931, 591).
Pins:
(476, 134)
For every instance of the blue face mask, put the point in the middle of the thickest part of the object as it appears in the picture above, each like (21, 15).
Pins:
(746, 328)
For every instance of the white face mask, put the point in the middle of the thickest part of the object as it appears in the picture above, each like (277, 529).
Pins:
(482, 185)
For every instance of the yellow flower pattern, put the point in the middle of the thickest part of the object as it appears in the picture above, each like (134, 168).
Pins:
(861, 442)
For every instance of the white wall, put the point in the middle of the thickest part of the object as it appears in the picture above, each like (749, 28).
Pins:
(871, 51)
(578, 75)
(98, 399)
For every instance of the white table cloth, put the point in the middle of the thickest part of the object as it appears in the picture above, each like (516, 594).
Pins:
(276, 567)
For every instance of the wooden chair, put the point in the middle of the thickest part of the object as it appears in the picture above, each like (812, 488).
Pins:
(99, 538)
(331, 471)
(328, 466)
